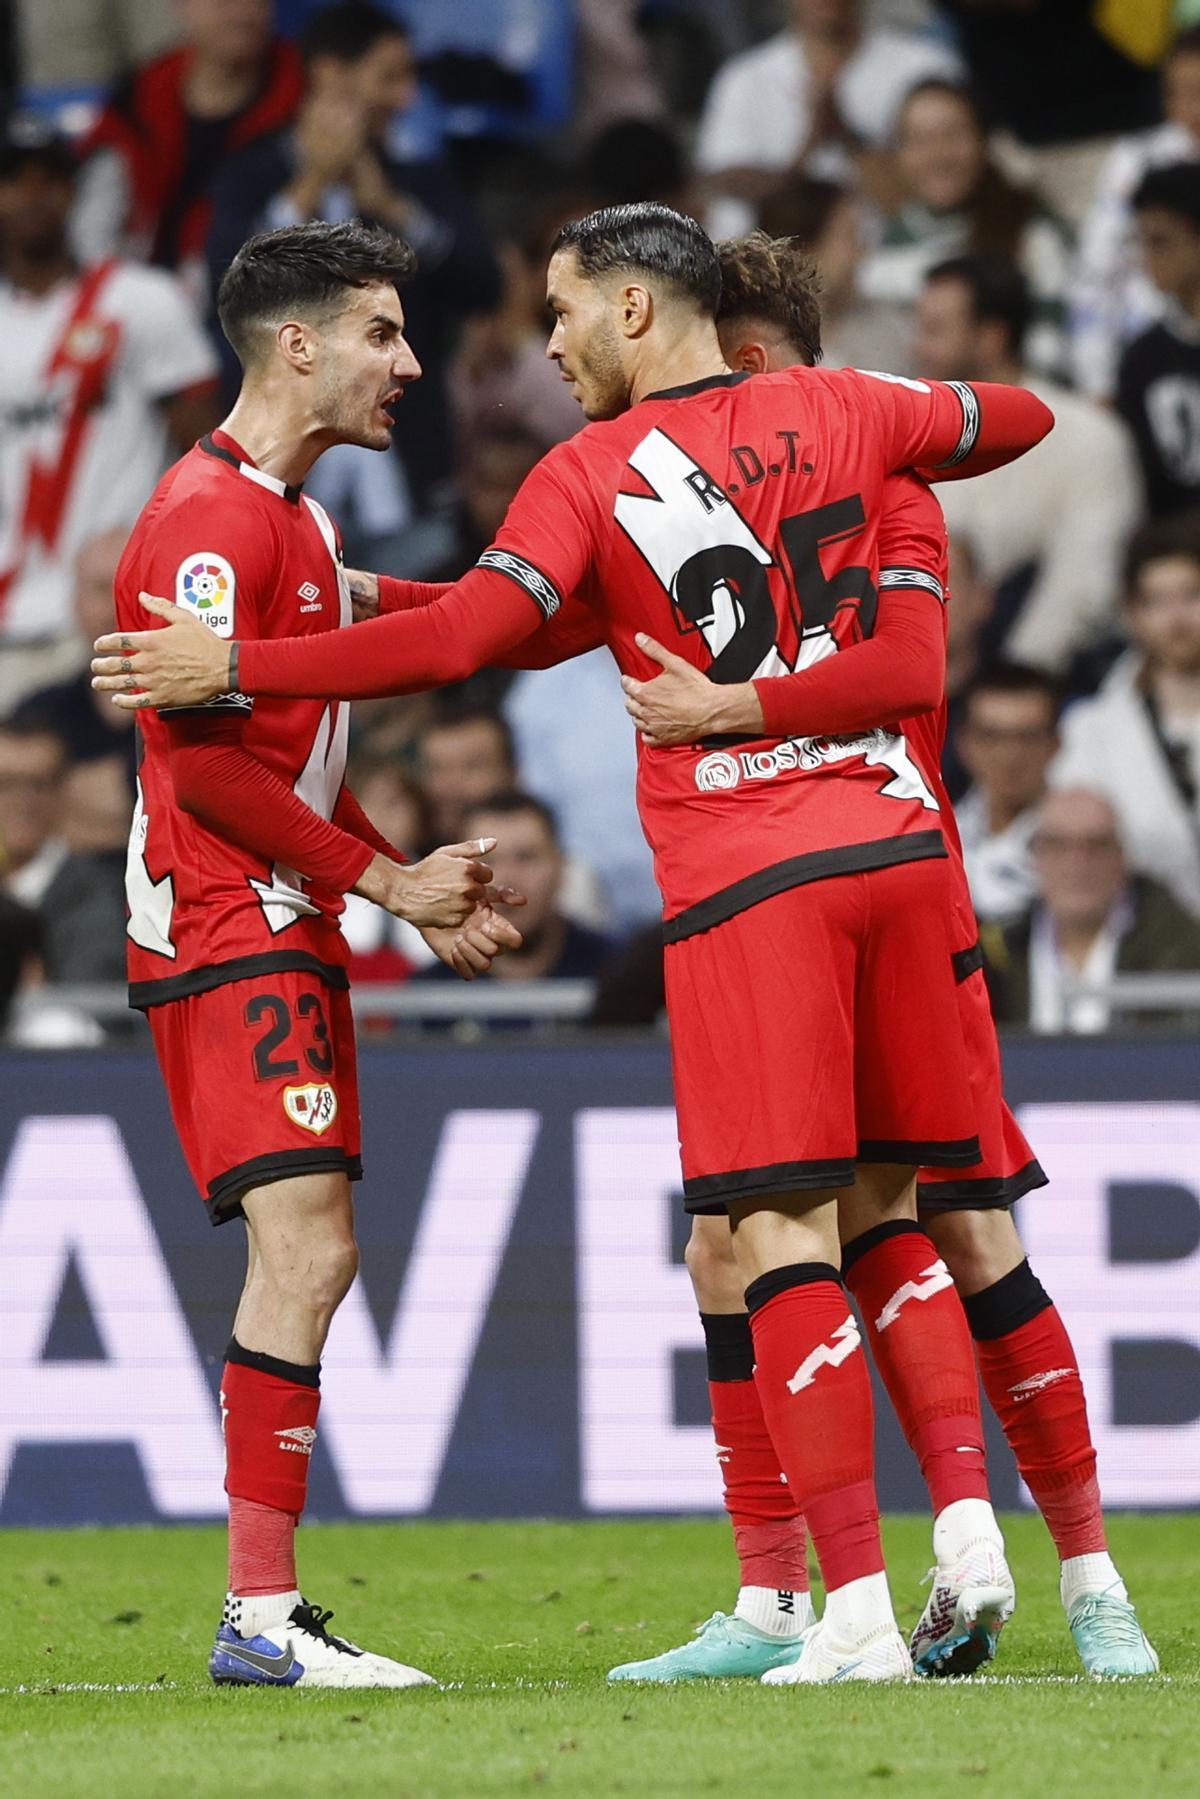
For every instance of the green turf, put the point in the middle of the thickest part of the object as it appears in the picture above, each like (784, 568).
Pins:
(523, 1621)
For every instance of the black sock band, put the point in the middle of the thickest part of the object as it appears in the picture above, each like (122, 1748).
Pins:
(1006, 1305)
(879, 1233)
(779, 1280)
(296, 1372)
(729, 1345)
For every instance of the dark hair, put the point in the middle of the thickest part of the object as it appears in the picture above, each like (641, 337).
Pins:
(348, 31)
(1158, 539)
(773, 278)
(999, 291)
(1014, 677)
(451, 715)
(1185, 43)
(631, 157)
(650, 239)
(801, 207)
(997, 210)
(27, 720)
(512, 800)
(304, 268)
(21, 939)
(1173, 188)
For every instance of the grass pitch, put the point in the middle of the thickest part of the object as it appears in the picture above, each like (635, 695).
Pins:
(107, 1632)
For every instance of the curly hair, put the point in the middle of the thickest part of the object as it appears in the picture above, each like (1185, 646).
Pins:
(776, 279)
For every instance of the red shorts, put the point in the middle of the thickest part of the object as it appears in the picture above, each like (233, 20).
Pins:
(817, 1029)
(262, 1083)
(1008, 1167)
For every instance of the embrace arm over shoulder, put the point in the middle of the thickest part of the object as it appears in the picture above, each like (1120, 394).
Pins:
(898, 671)
(949, 430)
(573, 631)
(220, 783)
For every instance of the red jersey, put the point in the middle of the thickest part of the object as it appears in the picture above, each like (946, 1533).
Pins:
(736, 521)
(248, 554)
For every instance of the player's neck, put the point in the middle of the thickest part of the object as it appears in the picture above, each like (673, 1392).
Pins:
(37, 274)
(277, 437)
(694, 355)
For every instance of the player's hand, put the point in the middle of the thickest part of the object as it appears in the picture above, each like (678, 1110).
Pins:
(683, 706)
(473, 947)
(442, 890)
(364, 594)
(183, 664)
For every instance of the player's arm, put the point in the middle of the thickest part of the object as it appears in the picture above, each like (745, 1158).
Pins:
(948, 430)
(573, 631)
(898, 671)
(543, 551)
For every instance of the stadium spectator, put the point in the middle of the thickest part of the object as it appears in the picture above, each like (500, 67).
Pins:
(1006, 741)
(30, 1016)
(384, 948)
(494, 465)
(1059, 517)
(81, 46)
(80, 898)
(1090, 920)
(1112, 297)
(1062, 79)
(93, 730)
(156, 148)
(615, 77)
(105, 369)
(528, 857)
(335, 163)
(971, 601)
(809, 99)
(830, 219)
(1158, 379)
(1138, 741)
(956, 200)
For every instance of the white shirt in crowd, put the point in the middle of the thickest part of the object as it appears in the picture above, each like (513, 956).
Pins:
(758, 113)
(1109, 746)
(83, 439)
(1062, 998)
(1068, 507)
(1112, 299)
(998, 863)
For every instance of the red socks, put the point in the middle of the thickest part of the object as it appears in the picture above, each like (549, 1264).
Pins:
(269, 1410)
(922, 1347)
(1030, 1374)
(815, 1391)
(768, 1530)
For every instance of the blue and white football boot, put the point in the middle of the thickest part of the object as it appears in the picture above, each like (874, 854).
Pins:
(1112, 1644)
(972, 1600)
(722, 1648)
(256, 1646)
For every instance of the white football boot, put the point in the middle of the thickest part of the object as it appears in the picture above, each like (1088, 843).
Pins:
(823, 1659)
(297, 1650)
(972, 1596)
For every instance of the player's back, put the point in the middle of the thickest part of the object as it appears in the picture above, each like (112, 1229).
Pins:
(253, 558)
(738, 524)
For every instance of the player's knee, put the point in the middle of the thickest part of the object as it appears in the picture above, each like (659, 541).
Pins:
(978, 1247)
(710, 1262)
(330, 1273)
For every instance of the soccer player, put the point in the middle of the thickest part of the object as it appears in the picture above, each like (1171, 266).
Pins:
(244, 840)
(805, 885)
(769, 319)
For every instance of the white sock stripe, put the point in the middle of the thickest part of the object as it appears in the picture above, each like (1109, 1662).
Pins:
(846, 1339)
(934, 1279)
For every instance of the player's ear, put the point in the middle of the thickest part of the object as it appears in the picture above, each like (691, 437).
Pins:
(296, 344)
(749, 359)
(637, 309)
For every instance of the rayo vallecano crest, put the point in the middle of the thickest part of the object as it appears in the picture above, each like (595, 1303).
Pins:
(313, 1108)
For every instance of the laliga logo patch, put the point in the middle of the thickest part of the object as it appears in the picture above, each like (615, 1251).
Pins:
(717, 773)
(313, 1108)
(206, 584)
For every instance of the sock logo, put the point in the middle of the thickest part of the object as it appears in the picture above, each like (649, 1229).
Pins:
(724, 1453)
(787, 1601)
(1037, 1383)
(299, 1440)
(931, 1280)
(846, 1339)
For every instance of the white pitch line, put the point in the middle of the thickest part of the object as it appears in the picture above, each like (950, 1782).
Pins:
(47, 1689)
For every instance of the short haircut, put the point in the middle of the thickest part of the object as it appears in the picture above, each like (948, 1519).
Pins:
(27, 720)
(348, 31)
(649, 239)
(452, 716)
(22, 937)
(512, 800)
(999, 290)
(773, 278)
(802, 207)
(1157, 540)
(1174, 188)
(304, 269)
(1014, 677)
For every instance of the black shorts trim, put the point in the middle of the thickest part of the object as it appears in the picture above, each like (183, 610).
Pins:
(224, 1198)
(965, 962)
(985, 1194)
(711, 1193)
(798, 871)
(144, 994)
(958, 1152)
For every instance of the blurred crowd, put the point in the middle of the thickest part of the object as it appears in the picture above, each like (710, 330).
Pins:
(1004, 190)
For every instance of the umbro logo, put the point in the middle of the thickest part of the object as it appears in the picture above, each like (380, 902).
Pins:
(1037, 1383)
(299, 1440)
(309, 591)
